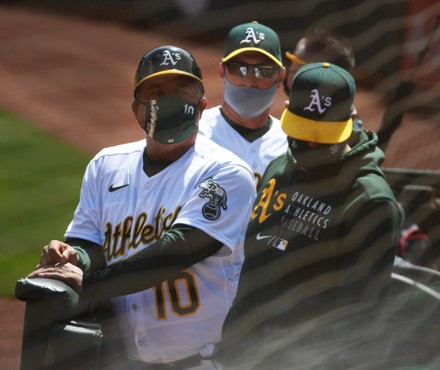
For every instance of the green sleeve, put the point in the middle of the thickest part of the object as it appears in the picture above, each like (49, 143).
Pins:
(182, 247)
(89, 254)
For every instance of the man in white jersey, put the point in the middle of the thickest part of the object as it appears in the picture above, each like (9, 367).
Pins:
(159, 225)
(252, 71)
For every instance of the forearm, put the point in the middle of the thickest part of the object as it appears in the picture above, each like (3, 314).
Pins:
(177, 250)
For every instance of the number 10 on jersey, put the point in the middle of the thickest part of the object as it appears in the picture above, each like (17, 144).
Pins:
(181, 292)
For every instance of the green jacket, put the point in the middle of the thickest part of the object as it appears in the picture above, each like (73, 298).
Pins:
(317, 246)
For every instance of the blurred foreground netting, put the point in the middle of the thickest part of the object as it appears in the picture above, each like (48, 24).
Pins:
(395, 42)
(387, 35)
(418, 192)
(401, 332)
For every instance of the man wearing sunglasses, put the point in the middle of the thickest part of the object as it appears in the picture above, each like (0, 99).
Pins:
(252, 71)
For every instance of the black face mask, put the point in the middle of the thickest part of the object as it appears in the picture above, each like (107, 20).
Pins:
(170, 119)
(320, 159)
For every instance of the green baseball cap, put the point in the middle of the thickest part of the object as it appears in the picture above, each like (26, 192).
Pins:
(253, 36)
(320, 105)
(167, 59)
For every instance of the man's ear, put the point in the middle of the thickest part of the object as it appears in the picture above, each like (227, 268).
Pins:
(135, 109)
(221, 70)
(281, 76)
(202, 105)
(354, 112)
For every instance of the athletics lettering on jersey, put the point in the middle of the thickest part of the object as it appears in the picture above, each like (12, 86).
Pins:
(252, 37)
(316, 102)
(217, 199)
(302, 215)
(306, 216)
(131, 232)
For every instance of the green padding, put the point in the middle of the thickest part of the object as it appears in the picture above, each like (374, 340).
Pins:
(65, 302)
(39, 288)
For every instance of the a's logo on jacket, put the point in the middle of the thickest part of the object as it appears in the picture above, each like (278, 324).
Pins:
(252, 37)
(217, 199)
(271, 201)
(321, 103)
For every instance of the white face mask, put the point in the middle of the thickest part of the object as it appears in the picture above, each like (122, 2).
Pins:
(248, 102)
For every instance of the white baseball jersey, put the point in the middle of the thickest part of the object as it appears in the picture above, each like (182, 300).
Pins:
(125, 210)
(256, 154)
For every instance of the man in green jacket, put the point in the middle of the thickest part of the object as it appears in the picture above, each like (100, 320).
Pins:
(321, 242)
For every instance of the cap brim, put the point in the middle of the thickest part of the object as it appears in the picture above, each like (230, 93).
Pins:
(295, 59)
(168, 72)
(258, 50)
(322, 132)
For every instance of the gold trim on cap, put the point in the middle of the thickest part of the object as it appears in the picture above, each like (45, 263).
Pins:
(166, 72)
(322, 132)
(243, 50)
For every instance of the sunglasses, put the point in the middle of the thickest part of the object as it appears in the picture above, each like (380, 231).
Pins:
(261, 71)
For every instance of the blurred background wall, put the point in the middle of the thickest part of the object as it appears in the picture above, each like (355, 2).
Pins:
(387, 35)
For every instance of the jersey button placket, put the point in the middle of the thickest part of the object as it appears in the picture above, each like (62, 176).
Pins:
(253, 154)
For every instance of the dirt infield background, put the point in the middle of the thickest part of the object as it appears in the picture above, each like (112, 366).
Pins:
(73, 78)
